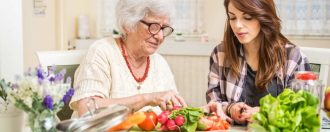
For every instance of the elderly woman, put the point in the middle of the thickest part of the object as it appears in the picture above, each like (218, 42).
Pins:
(127, 70)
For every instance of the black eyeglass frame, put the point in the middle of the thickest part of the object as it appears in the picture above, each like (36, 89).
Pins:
(160, 28)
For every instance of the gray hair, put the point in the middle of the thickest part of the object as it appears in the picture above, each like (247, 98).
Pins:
(130, 12)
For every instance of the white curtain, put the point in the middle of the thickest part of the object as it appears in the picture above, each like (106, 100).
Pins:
(188, 17)
(304, 17)
(106, 17)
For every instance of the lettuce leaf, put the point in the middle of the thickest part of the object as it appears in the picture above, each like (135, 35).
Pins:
(290, 111)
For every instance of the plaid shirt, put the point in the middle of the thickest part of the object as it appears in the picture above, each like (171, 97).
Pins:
(225, 88)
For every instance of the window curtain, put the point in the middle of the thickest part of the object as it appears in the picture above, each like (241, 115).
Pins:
(106, 17)
(188, 19)
(304, 17)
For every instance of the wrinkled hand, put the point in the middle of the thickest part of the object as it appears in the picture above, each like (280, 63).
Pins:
(166, 100)
(216, 107)
(237, 111)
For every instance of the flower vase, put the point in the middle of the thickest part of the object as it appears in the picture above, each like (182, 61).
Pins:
(11, 120)
(44, 122)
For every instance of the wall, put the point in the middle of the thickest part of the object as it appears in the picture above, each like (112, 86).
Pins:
(11, 39)
(39, 31)
(318, 42)
(74, 8)
(215, 18)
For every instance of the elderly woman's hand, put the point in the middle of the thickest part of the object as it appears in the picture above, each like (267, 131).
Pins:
(166, 100)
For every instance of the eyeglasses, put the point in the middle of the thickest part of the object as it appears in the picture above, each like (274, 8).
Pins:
(154, 28)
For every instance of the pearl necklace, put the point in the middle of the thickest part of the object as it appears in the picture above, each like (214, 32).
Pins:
(139, 80)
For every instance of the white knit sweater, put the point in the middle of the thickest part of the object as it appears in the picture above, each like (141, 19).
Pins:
(103, 72)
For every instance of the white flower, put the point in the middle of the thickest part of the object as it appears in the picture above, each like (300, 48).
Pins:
(48, 123)
(28, 101)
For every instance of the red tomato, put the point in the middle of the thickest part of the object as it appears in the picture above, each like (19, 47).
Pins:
(214, 118)
(150, 122)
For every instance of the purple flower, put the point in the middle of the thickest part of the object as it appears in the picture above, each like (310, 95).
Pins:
(48, 102)
(51, 79)
(40, 73)
(60, 76)
(68, 95)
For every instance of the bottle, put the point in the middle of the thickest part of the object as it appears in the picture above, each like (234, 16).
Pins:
(308, 81)
(83, 27)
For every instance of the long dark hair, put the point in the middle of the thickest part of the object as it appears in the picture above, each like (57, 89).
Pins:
(272, 53)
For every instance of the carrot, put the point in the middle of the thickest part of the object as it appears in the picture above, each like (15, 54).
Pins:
(132, 120)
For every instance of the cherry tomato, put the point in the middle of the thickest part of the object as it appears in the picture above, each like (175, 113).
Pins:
(150, 122)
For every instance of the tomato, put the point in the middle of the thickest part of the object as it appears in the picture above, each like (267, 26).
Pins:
(217, 122)
(214, 117)
(149, 122)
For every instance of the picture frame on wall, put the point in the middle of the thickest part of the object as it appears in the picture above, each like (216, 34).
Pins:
(39, 7)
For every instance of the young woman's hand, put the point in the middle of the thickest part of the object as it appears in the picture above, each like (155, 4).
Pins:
(237, 110)
(248, 113)
(216, 107)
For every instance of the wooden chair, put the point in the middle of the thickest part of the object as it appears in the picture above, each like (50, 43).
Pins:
(319, 58)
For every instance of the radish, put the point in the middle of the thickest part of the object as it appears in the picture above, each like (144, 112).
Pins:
(170, 124)
(163, 127)
(176, 107)
(162, 118)
(167, 113)
(179, 120)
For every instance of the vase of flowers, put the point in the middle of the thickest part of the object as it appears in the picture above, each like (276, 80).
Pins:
(41, 95)
(11, 119)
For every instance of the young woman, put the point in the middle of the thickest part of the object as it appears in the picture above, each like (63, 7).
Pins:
(253, 60)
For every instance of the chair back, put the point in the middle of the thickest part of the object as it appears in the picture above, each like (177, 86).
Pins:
(68, 60)
(319, 59)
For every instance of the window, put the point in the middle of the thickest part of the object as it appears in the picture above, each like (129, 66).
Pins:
(106, 17)
(188, 19)
(304, 17)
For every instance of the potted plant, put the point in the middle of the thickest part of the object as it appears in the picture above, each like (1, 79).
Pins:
(179, 36)
(11, 119)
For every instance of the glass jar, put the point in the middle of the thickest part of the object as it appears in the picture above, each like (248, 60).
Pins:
(308, 81)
